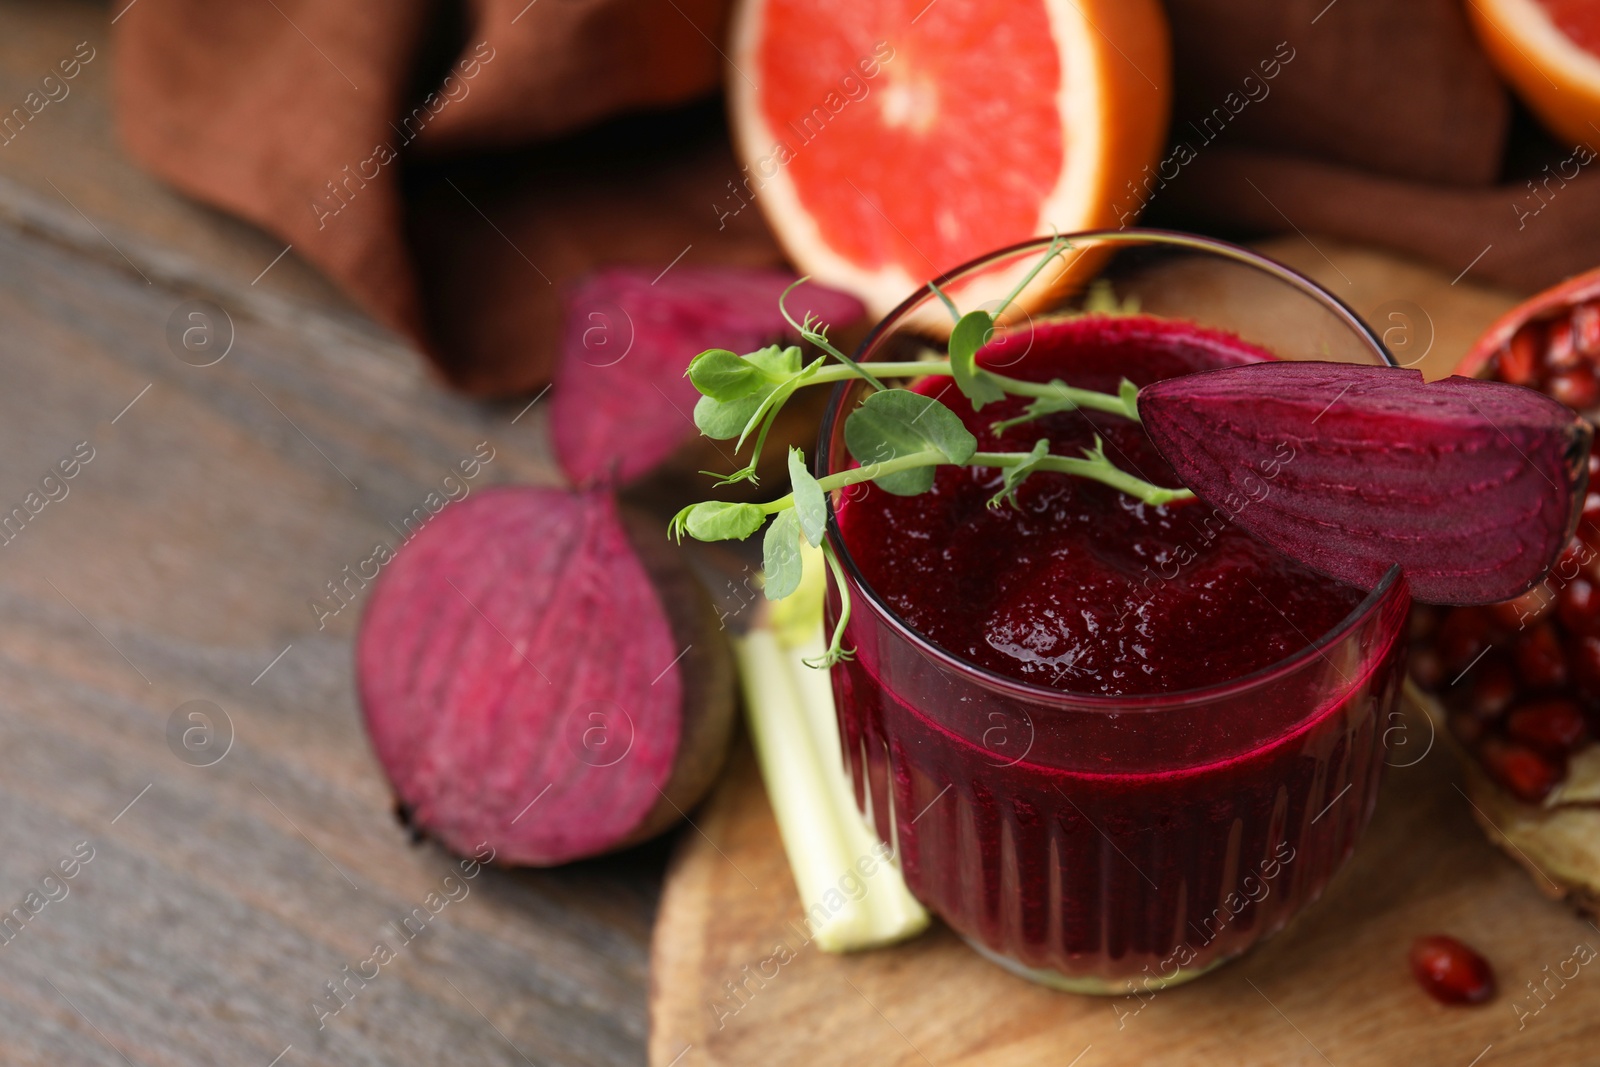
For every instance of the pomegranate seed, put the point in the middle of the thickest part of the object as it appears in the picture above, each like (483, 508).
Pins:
(1559, 351)
(1586, 328)
(1572, 559)
(1540, 661)
(1427, 669)
(1493, 689)
(1594, 464)
(1450, 972)
(1462, 639)
(1524, 611)
(1424, 620)
(1518, 769)
(1583, 653)
(1578, 605)
(1591, 506)
(1554, 726)
(1519, 358)
(1576, 388)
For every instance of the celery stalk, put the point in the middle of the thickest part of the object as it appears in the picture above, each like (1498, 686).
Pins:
(853, 896)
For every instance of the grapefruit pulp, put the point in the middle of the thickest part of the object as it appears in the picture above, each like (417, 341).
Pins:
(889, 141)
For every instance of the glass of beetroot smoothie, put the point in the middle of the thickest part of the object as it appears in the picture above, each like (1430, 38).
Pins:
(1113, 744)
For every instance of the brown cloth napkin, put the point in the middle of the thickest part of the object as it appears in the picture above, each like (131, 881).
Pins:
(317, 120)
(441, 161)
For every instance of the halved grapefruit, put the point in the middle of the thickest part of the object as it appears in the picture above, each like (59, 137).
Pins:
(888, 141)
(1549, 51)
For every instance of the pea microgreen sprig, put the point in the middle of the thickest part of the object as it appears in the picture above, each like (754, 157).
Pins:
(897, 437)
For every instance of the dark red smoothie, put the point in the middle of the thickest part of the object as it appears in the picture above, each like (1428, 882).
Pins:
(1046, 712)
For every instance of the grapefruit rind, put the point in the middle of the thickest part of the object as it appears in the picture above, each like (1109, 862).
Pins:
(1556, 78)
(1575, 290)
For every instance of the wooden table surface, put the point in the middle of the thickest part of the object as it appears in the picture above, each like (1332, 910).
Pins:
(178, 567)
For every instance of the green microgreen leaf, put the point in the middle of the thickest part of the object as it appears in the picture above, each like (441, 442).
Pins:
(716, 520)
(810, 505)
(778, 364)
(780, 555)
(1015, 475)
(724, 376)
(1128, 393)
(971, 333)
(721, 420)
(897, 423)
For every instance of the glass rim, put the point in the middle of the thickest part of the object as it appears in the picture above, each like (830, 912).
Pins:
(1392, 582)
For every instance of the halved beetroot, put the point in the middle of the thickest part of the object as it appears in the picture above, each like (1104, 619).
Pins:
(1472, 487)
(622, 404)
(538, 677)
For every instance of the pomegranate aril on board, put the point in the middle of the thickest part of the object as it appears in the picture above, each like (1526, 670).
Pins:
(1451, 972)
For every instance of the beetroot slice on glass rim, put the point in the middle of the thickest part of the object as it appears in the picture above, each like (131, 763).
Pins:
(540, 677)
(1472, 487)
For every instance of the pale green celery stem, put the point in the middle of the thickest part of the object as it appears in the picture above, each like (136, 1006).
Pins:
(796, 737)
(1083, 398)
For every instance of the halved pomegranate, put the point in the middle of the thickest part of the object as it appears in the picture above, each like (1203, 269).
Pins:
(1519, 682)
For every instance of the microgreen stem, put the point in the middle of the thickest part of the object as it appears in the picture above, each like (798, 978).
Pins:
(1053, 390)
(857, 475)
(809, 329)
(1083, 398)
(1098, 469)
(836, 650)
(1057, 245)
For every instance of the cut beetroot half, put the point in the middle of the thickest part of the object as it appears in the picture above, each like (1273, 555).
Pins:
(1472, 487)
(622, 404)
(540, 678)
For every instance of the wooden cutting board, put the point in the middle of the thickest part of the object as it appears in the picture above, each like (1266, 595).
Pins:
(1333, 988)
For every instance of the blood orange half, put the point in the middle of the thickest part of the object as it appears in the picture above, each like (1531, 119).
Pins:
(1549, 50)
(888, 141)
